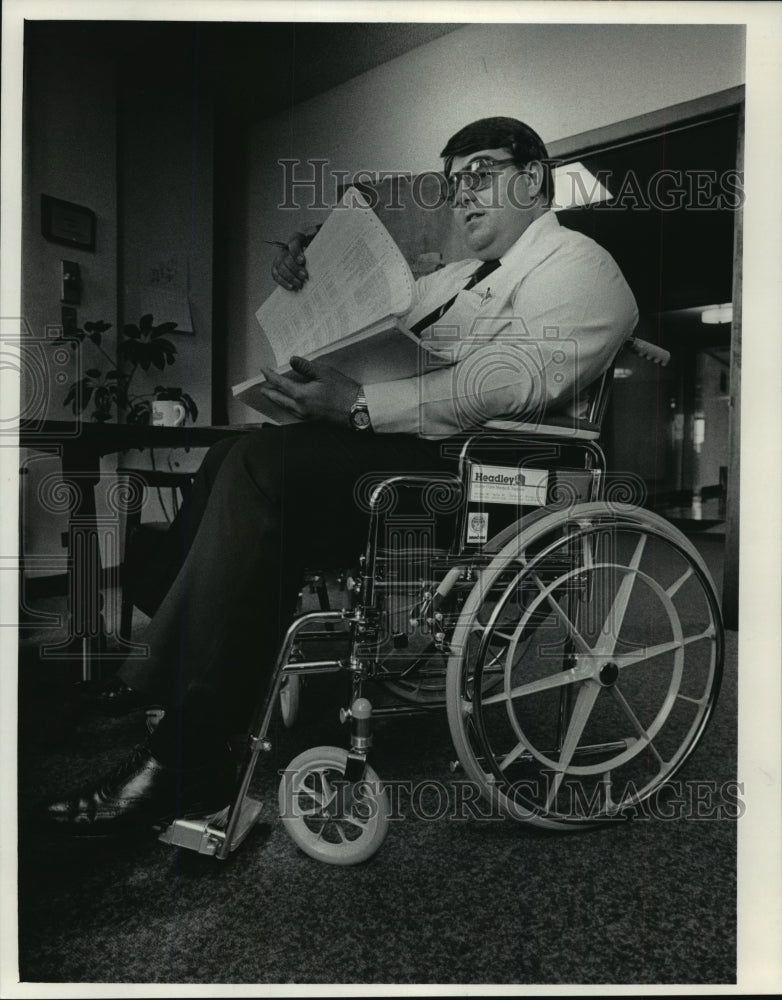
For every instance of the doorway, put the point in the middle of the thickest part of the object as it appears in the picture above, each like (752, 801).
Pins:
(671, 217)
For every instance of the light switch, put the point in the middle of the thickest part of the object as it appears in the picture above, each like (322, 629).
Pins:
(70, 289)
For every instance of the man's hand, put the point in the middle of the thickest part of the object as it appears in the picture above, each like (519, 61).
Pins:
(289, 266)
(313, 392)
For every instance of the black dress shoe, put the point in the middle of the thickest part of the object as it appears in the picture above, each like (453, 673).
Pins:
(142, 793)
(116, 698)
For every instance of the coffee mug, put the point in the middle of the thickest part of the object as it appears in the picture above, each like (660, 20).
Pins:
(167, 413)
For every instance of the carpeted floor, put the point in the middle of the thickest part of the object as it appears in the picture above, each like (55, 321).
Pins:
(446, 900)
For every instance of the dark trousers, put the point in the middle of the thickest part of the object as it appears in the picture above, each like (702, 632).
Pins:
(263, 507)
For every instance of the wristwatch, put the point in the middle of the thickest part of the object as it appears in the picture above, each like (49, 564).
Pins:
(359, 413)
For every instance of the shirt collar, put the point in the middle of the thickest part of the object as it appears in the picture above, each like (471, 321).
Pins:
(531, 235)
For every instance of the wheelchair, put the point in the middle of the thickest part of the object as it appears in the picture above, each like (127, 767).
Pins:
(573, 638)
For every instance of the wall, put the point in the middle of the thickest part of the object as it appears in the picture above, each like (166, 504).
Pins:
(137, 149)
(70, 153)
(165, 169)
(562, 79)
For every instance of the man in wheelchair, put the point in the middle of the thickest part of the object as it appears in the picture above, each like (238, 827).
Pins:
(534, 317)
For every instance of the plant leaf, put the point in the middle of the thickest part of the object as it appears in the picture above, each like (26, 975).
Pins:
(190, 406)
(145, 324)
(164, 328)
(132, 331)
(167, 349)
(92, 372)
(139, 413)
(83, 398)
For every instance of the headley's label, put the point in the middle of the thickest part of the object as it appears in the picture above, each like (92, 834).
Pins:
(500, 484)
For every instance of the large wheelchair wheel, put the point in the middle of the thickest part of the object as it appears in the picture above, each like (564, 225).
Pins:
(603, 628)
(329, 818)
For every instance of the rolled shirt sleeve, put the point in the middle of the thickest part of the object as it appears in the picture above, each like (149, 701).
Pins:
(517, 345)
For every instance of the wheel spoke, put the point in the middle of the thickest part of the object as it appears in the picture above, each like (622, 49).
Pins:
(616, 615)
(324, 824)
(700, 702)
(315, 811)
(514, 754)
(643, 735)
(495, 633)
(351, 819)
(317, 797)
(533, 687)
(572, 631)
(585, 701)
(329, 793)
(649, 652)
(678, 583)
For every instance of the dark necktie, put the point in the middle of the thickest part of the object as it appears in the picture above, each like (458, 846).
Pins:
(485, 269)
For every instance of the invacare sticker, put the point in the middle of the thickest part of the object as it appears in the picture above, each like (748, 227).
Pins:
(499, 484)
(478, 527)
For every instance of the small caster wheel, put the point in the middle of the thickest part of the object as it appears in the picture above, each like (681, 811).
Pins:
(329, 818)
(290, 697)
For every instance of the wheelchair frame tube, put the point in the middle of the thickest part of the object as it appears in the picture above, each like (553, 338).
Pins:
(263, 715)
(376, 515)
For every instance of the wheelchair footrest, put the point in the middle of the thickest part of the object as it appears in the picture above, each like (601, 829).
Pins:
(206, 834)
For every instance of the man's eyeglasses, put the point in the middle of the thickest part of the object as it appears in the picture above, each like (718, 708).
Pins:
(476, 177)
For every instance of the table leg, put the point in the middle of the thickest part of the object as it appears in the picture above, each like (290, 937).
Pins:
(86, 628)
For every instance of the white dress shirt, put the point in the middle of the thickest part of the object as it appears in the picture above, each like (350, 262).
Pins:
(527, 339)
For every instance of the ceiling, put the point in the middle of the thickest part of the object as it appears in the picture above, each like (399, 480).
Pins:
(258, 68)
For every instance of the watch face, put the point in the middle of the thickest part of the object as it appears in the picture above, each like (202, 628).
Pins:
(360, 418)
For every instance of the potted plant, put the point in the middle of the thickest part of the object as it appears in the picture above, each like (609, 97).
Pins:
(144, 345)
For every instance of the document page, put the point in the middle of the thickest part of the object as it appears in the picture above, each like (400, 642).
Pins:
(357, 277)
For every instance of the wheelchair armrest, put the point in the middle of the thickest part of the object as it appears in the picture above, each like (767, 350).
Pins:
(649, 351)
(442, 489)
(557, 425)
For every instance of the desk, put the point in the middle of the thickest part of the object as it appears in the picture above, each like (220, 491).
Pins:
(80, 447)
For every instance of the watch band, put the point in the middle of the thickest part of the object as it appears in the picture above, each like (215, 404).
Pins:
(359, 412)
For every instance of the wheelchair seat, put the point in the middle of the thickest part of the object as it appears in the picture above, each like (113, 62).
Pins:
(556, 425)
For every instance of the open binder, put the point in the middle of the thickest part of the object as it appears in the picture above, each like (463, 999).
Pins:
(348, 312)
